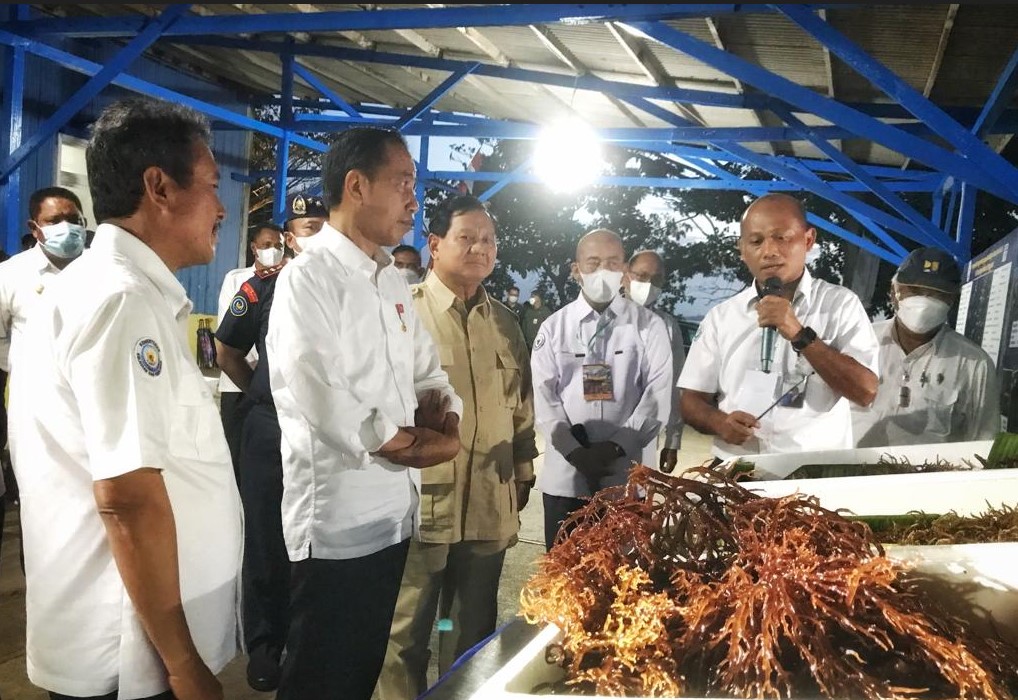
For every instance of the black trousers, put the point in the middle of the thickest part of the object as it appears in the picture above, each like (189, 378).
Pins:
(233, 409)
(112, 696)
(266, 573)
(557, 509)
(340, 615)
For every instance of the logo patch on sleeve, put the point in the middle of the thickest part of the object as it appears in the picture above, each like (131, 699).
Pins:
(149, 356)
(539, 343)
(238, 307)
(247, 290)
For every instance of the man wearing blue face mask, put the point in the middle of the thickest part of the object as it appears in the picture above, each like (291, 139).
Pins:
(936, 385)
(58, 226)
(602, 374)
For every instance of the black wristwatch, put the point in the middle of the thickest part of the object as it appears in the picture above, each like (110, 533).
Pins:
(619, 450)
(802, 340)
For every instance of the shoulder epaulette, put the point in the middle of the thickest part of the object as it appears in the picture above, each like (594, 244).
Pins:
(269, 271)
(249, 292)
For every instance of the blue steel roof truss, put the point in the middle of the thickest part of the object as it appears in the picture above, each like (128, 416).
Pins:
(962, 167)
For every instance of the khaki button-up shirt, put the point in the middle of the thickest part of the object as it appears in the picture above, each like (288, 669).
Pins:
(482, 350)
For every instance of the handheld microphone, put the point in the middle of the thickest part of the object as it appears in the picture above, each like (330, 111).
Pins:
(771, 287)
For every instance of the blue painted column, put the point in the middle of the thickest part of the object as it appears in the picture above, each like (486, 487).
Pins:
(420, 235)
(283, 146)
(13, 110)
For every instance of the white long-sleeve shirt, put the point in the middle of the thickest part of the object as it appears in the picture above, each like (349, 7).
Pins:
(672, 434)
(633, 341)
(23, 278)
(348, 359)
(952, 390)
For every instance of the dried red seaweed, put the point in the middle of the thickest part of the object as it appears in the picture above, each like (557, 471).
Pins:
(696, 586)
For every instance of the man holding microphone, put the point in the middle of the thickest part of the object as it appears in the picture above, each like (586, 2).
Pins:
(788, 389)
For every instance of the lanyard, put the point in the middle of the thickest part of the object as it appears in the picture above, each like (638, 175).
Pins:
(604, 322)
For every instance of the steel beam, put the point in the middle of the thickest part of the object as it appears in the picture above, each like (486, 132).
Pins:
(96, 84)
(420, 235)
(434, 96)
(13, 122)
(966, 220)
(892, 257)
(924, 225)
(129, 82)
(981, 157)
(380, 20)
(314, 81)
(514, 175)
(826, 108)
(1004, 89)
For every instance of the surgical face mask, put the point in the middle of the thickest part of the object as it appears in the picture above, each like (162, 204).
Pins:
(922, 314)
(643, 293)
(411, 276)
(269, 257)
(64, 240)
(513, 298)
(601, 286)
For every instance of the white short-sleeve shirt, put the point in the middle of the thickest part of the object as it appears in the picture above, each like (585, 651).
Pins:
(109, 385)
(23, 278)
(727, 347)
(951, 391)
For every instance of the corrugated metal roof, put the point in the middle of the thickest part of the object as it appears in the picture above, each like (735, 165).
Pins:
(905, 38)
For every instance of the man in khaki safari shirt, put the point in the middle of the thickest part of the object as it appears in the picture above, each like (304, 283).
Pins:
(470, 506)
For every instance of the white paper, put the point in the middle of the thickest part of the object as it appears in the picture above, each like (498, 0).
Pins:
(757, 392)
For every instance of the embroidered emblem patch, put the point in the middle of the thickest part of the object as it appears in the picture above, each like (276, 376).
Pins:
(238, 307)
(149, 357)
(539, 343)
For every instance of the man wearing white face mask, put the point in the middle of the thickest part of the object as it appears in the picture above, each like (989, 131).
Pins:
(266, 247)
(407, 261)
(602, 373)
(644, 284)
(936, 385)
(58, 226)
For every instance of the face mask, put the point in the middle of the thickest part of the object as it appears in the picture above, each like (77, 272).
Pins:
(535, 302)
(643, 293)
(269, 257)
(513, 298)
(601, 286)
(409, 275)
(922, 314)
(64, 240)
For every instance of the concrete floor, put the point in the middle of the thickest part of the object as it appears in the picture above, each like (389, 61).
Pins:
(519, 565)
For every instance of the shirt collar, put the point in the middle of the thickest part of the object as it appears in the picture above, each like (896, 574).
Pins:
(447, 299)
(114, 240)
(580, 308)
(347, 251)
(751, 296)
(42, 262)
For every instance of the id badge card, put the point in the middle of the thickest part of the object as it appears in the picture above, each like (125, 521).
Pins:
(757, 392)
(597, 383)
(793, 389)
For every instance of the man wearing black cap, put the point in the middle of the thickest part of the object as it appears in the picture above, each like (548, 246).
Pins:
(305, 216)
(936, 385)
(266, 576)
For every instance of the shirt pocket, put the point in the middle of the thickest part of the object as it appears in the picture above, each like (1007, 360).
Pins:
(940, 411)
(509, 373)
(197, 427)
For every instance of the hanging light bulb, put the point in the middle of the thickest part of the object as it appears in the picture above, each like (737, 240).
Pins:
(568, 156)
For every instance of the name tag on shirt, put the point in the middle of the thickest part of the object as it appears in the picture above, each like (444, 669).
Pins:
(597, 383)
(757, 391)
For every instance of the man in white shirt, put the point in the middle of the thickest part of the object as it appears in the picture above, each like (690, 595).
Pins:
(58, 226)
(644, 284)
(407, 261)
(936, 385)
(266, 247)
(57, 231)
(602, 373)
(363, 403)
(132, 520)
(773, 369)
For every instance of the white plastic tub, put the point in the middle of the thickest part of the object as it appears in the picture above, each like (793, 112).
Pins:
(976, 581)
